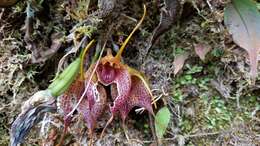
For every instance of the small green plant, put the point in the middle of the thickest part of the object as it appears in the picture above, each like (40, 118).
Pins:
(179, 51)
(194, 69)
(217, 115)
(177, 96)
(79, 11)
(203, 83)
(185, 125)
(162, 119)
(217, 52)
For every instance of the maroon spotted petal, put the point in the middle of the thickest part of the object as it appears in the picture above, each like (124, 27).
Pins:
(92, 105)
(108, 75)
(124, 110)
(66, 107)
(67, 99)
(139, 96)
(123, 83)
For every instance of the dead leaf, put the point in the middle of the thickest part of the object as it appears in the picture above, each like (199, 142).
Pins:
(243, 21)
(202, 50)
(39, 53)
(8, 3)
(179, 62)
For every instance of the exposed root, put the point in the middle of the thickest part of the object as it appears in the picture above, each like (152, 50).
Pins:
(90, 138)
(125, 131)
(108, 122)
(63, 136)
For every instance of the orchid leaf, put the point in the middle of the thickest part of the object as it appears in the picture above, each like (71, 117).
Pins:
(243, 22)
(162, 120)
(63, 81)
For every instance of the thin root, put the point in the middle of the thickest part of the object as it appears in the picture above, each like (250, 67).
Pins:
(63, 136)
(108, 122)
(125, 131)
(91, 138)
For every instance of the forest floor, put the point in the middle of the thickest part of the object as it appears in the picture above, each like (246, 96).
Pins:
(212, 101)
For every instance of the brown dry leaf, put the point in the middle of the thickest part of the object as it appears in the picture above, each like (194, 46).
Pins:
(42, 54)
(202, 50)
(55, 46)
(7, 3)
(179, 62)
(243, 21)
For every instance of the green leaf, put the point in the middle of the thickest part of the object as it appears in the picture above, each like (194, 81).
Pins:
(63, 81)
(243, 21)
(258, 6)
(162, 120)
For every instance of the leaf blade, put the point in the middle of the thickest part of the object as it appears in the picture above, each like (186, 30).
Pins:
(243, 22)
(162, 120)
(179, 62)
(201, 50)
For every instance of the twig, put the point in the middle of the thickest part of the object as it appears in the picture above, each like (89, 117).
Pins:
(151, 122)
(201, 135)
(210, 6)
(128, 17)
(192, 136)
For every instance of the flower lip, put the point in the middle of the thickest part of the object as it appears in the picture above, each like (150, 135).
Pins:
(106, 73)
